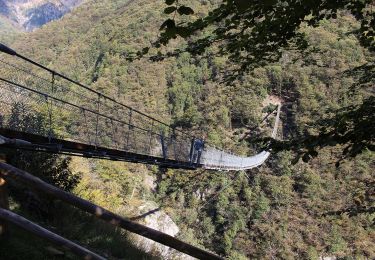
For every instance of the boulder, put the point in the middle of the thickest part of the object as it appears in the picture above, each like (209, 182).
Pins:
(150, 215)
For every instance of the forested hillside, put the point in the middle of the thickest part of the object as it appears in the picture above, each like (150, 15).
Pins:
(285, 209)
(8, 31)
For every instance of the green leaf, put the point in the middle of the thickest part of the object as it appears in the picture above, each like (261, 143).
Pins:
(296, 159)
(168, 24)
(306, 157)
(183, 32)
(145, 50)
(313, 153)
(242, 5)
(170, 32)
(169, 2)
(170, 9)
(269, 2)
(184, 10)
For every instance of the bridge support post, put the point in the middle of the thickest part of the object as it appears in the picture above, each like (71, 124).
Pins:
(163, 148)
(191, 150)
(4, 201)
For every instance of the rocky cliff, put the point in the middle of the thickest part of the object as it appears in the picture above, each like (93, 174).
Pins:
(31, 14)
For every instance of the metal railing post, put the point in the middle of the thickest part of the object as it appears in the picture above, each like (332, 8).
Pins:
(150, 143)
(97, 122)
(163, 148)
(129, 129)
(50, 107)
(191, 150)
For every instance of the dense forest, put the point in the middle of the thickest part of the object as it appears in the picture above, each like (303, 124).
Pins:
(288, 208)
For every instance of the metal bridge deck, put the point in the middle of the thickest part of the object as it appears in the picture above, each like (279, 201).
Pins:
(32, 142)
(54, 113)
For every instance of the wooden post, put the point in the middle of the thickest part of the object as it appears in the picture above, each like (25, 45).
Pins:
(4, 200)
(11, 173)
(48, 235)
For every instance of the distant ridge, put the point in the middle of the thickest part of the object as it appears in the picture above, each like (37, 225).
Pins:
(32, 14)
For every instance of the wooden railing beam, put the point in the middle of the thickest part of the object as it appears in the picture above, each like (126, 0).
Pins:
(11, 173)
(4, 200)
(39, 231)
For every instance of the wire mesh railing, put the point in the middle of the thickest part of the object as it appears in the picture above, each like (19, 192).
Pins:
(37, 100)
(216, 159)
(40, 101)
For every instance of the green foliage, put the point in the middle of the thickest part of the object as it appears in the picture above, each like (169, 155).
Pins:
(237, 256)
(52, 168)
(312, 253)
(182, 96)
(91, 233)
(278, 211)
(350, 127)
(253, 33)
(310, 184)
(8, 31)
(262, 206)
(337, 244)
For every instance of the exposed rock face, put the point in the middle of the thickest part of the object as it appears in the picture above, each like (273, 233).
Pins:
(38, 16)
(32, 14)
(327, 258)
(4, 10)
(151, 216)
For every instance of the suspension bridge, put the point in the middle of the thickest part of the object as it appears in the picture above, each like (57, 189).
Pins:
(44, 110)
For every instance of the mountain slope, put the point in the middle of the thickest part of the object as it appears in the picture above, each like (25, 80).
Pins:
(8, 30)
(279, 211)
